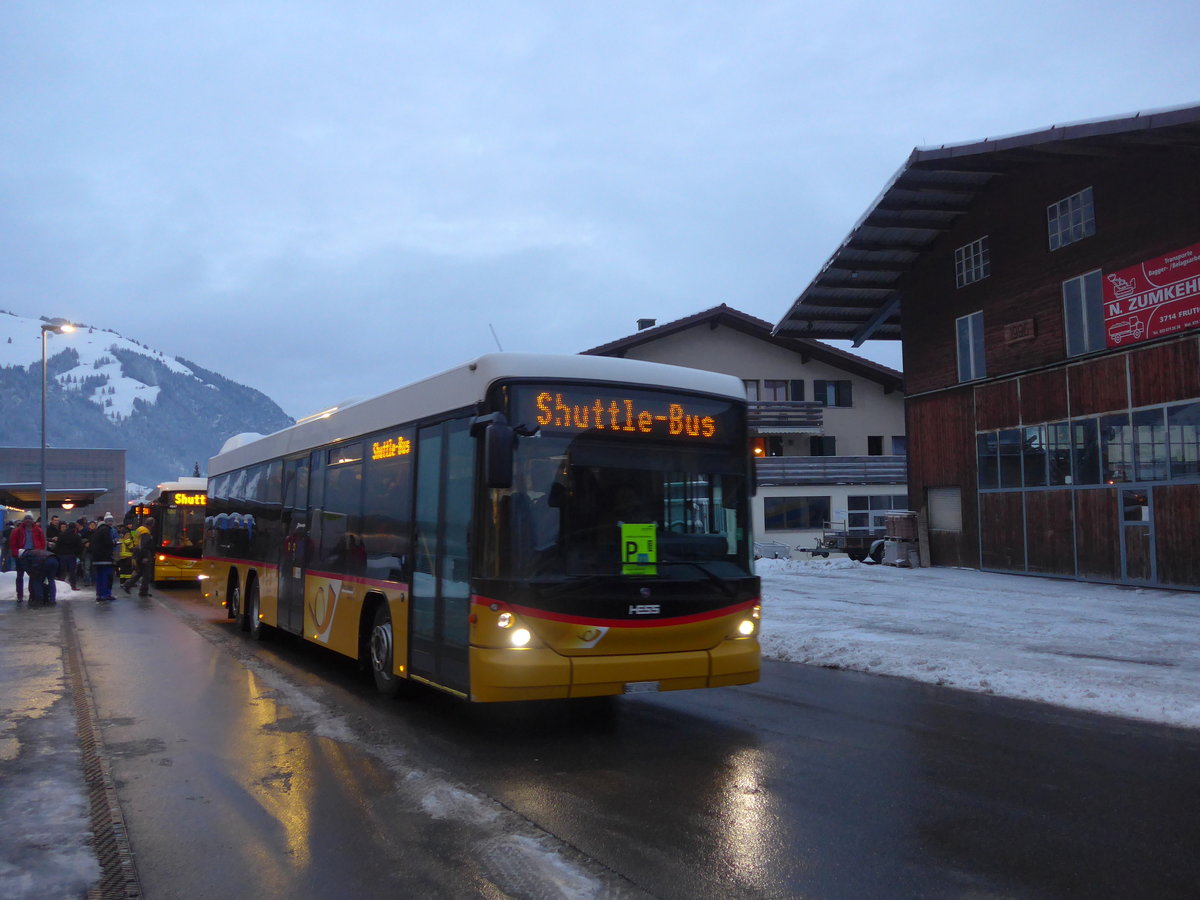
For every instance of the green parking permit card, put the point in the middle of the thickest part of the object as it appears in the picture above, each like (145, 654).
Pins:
(639, 549)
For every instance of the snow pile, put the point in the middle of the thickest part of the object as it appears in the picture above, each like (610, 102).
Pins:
(1101, 648)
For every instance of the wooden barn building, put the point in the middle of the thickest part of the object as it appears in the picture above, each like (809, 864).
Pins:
(1046, 288)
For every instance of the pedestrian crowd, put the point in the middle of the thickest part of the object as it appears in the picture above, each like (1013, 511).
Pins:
(85, 552)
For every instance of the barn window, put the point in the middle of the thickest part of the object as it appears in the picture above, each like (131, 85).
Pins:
(1071, 220)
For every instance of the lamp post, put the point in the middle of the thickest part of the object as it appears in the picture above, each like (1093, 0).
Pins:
(55, 326)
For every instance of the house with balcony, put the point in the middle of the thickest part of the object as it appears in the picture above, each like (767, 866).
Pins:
(827, 426)
(1046, 288)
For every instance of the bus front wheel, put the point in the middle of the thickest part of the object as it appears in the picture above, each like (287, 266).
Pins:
(382, 653)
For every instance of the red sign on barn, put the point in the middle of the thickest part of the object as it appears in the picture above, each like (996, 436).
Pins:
(1157, 297)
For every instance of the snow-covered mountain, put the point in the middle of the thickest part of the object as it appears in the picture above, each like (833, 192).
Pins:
(104, 390)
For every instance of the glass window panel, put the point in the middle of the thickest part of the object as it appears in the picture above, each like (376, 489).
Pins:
(987, 461)
(795, 513)
(1085, 451)
(971, 358)
(1073, 316)
(1083, 313)
(1135, 506)
(1010, 444)
(1151, 461)
(1034, 452)
(775, 390)
(1093, 308)
(387, 509)
(341, 542)
(1183, 426)
(858, 502)
(1116, 448)
(1058, 452)
(965, 368)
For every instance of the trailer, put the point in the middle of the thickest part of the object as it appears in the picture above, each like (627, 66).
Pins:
(860, 544)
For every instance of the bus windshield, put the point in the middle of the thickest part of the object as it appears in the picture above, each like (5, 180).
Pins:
(182, 530)
(600, 500)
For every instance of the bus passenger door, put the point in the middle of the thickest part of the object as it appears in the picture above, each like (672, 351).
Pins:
(296, 547)
(441, 555)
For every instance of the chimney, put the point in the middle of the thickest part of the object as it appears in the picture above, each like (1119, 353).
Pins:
(643, 324)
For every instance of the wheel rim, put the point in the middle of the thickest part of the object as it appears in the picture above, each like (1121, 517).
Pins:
(381, 648)
(235, 602)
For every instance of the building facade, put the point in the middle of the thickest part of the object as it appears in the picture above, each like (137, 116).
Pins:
(828, 426)
(1048, 289)
(91, 481)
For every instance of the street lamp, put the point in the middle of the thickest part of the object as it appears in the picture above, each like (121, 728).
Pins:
(55, 326)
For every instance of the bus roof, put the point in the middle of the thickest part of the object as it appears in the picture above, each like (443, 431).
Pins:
(460, 387)
(183, 484)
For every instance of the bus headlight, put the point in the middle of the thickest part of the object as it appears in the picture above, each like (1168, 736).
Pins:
(748, 627)
(505, 620)
(521, 637)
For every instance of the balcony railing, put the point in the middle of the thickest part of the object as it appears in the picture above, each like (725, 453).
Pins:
(831, 469)
(776, 415)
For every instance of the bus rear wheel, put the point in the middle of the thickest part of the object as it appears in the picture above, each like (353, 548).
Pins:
(258, 630)
(233, 601)
(382, 652)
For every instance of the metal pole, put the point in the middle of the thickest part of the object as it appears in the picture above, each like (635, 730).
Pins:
(43, 484)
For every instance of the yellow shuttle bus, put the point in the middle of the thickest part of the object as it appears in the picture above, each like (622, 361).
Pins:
(520, 527)
(178, 509)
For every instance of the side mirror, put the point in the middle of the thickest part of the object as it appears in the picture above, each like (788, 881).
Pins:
(499, 438)
(498, 443)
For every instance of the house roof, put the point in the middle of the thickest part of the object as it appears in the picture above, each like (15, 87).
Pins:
(856, 296)
(728, 317)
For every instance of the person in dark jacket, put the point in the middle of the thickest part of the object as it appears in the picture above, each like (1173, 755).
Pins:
(68, 548)
(25, 537)
(103, 543)
(42, 566)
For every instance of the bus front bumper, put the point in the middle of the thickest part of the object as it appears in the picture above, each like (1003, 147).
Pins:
(542, 674)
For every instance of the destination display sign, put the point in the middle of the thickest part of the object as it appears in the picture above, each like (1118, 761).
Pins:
(630, 413)
(1157, 297)
(188, 499)
(389, 448)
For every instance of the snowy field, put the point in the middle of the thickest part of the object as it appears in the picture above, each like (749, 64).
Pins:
(1101, 648)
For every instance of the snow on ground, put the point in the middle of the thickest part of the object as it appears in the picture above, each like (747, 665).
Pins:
(1130, 652)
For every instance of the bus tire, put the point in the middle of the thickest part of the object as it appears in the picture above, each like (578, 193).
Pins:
(244, 610)
(381, 652)
(257, 629)
(233, 600)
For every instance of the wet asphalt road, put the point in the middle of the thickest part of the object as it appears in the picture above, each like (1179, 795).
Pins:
(273, 770)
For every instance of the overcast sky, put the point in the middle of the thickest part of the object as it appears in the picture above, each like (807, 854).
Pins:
(331, 199)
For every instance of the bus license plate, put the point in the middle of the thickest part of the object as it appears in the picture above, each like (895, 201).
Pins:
(641, 687)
